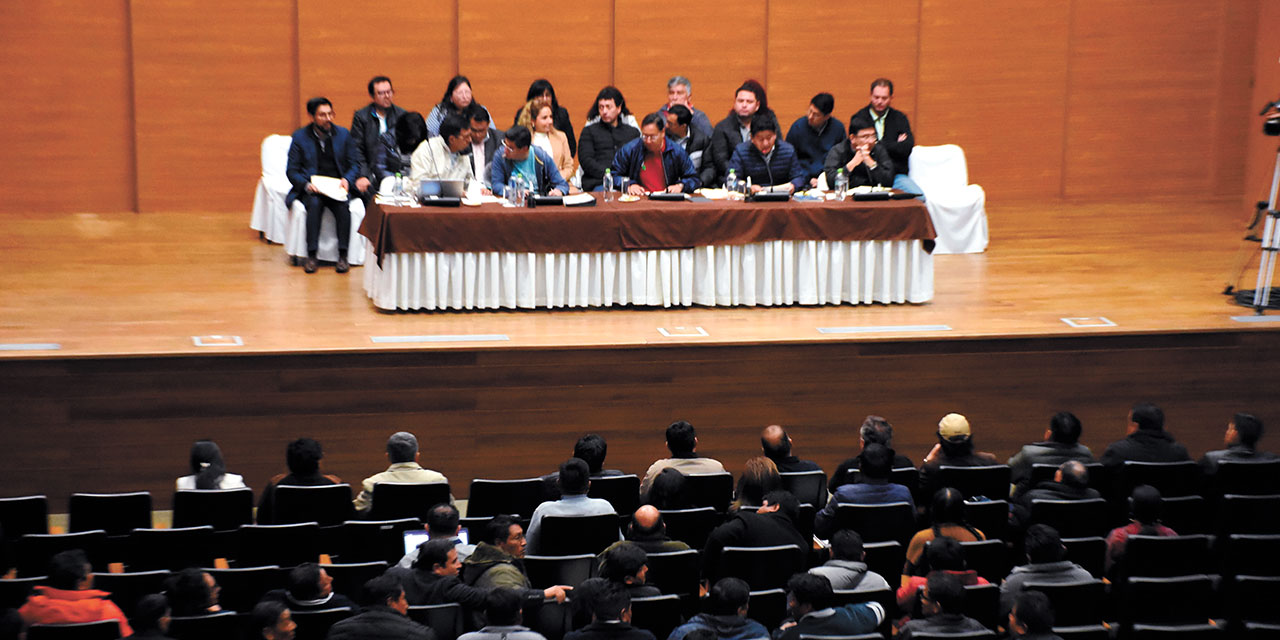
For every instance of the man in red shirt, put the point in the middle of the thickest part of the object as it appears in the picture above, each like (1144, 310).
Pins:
(70, 597)
(653, 164)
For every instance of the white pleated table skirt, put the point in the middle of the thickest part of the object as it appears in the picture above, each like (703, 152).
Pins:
(806, 272)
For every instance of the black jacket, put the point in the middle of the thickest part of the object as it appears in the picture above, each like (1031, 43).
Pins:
(1144, 446)
(425, 587)
(599, 143)
(364, 133)
(334, 601)
(842, 153)
(379, 623)
(749, 529)
(724, 139)
(609, 631)
(895, 124)
(698, 146)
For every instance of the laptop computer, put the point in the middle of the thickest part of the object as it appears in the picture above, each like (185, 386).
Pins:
(415, 537)
(442, 188)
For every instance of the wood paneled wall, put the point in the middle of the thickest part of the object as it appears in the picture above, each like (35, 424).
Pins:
(161, 105)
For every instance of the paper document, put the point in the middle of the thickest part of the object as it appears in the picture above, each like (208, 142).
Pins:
(329, 187)
(581, 198)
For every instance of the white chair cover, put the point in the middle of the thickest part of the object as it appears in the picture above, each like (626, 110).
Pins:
(957, 208)
(296, 241)
(767, 273)
(270, 216)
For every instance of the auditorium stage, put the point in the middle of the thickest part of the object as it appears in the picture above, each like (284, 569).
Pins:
(290, 354)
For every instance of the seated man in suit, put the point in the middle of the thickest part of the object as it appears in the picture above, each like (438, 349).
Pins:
(485, 141)
(653, 163)
(769, 163)
(322, 148)
(814, 134)
(310, 589)
(863, 161)
(518, 157)
(373, 130)
(680, 94)
(1145, 440)
(648, 531)
(695, 143)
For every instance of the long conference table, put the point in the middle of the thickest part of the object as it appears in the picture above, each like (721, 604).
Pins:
(648, 253)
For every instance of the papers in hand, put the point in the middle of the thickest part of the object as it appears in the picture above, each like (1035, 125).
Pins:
(329, 187)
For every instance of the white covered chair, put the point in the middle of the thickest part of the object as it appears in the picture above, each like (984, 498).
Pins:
(296, 240)
(270, 217)
(957, 208)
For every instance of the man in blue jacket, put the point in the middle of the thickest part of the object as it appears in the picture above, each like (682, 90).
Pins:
(769, 162)
(517, 157)
(322, 148)
(653, 163)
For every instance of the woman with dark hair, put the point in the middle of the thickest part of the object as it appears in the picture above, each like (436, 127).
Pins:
(192, 592)
(207, 470)
(667, 492)
(536, 117)
(948, 522)
(411, 131)
(457, 97)
(542, 92)
(758, 478)
(605, 133)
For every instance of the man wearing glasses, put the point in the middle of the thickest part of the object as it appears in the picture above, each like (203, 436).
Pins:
(485, 141)
(654, 164)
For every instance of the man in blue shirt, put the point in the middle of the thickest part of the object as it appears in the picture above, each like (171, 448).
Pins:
(768, 162)
(815, 134)
(516, 157)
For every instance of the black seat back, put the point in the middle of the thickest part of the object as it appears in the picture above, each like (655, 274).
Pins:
(623, 492)
(549, 571)
(170, 549)
(222, 509)
(242, 588)
(400, 500)
(762, 567)
(569, 535)
(1074, 603)
(285, 545)
(100, 630)
(507, 497)
(807, 486)
(33, 551)
(1072, 518)
(674, 572)
(327, 505)
(895, 521)
(445, 619)
(692, 526)
(349, 577)
(314, 625)
(990, 481)
(375, 540)
(659, 615)
(713, 490)
(115, 513)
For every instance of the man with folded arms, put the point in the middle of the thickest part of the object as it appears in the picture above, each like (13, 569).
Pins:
(767, 161)
(893, 131)
(322, 148)
(864, 162)
(653, 163)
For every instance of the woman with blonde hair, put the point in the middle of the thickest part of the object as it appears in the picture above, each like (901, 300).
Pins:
(538, 117)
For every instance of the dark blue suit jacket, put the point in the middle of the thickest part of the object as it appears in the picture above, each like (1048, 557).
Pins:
(304, 160)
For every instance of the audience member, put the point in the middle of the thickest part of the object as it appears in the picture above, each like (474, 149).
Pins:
(592, 449)
(874, 429)
(193, 592)
(759, 476)
(626, 563)
(503, 608)
(325, 149)
(647, 531)
(769, 164)
(748, 100)
(954, 449)
(411, 132)
(574, 484)
(943, 555)
(457, 97)
(601, 140)
(863, 161)
(809, 605)
(694, 142)
(1070, 482)
(680, 93)
(485, 141)
(777, 447)
(497, 560)
(1241, 442)
(1144, 520)
(847, 569)
(682, 442)
(541, 92)
(273, 621)
(207, 470)
(1045, 565)
(772, 524)
(872, 487)
(1032, 617)
(441, 157)
(518, 158)
(443, 522)
(69, 596)
(893, 130)
(403, 454)
(373, 129)
(150, 618)
(302, 456)
(667, 491)
(1061, 443)
(610, 606)
(1145, 440)
(434, 578)
(724, 616)
(653, 165)
(943, 604)
(536, 116)
(310, 589)
(385, 616)
(814, 134)
(948, 522)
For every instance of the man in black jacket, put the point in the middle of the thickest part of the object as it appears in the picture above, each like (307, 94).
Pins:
(310, 589)
(696, 143)
(600, 141)
(893, 131)
(610, 606)
(385, 616)
(1145, 440)
(434, 577)
(771, 525)
(373, 129)
(734, 130)
(863, 160)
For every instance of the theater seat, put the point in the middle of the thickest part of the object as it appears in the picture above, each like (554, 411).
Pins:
(270, 217)
(958, 209)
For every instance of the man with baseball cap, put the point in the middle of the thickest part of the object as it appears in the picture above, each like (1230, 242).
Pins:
(954, 449)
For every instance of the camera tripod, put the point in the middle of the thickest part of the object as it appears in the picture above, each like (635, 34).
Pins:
(1260, 296)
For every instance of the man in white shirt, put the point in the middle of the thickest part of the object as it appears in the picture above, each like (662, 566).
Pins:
(441, 157)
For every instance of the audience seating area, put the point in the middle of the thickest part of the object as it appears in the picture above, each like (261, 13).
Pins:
(1220, 573)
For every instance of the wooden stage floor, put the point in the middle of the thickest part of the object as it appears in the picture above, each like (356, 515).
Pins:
(146, 284)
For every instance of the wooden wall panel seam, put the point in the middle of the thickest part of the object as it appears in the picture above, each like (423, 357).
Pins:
(295, 34)
(1066, 107)
(132, 108)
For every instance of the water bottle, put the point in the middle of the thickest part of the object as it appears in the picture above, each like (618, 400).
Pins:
(842, 185)
(397, 189)
(608, 185)
(731, 182)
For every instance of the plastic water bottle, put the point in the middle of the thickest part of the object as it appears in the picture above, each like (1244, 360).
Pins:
(397, 189)
(731, 182)
(842, 185)
(608, 185)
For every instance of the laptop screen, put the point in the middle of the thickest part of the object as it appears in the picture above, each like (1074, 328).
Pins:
(415, 537)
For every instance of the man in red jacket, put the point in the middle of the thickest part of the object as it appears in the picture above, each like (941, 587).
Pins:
(70, 597)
